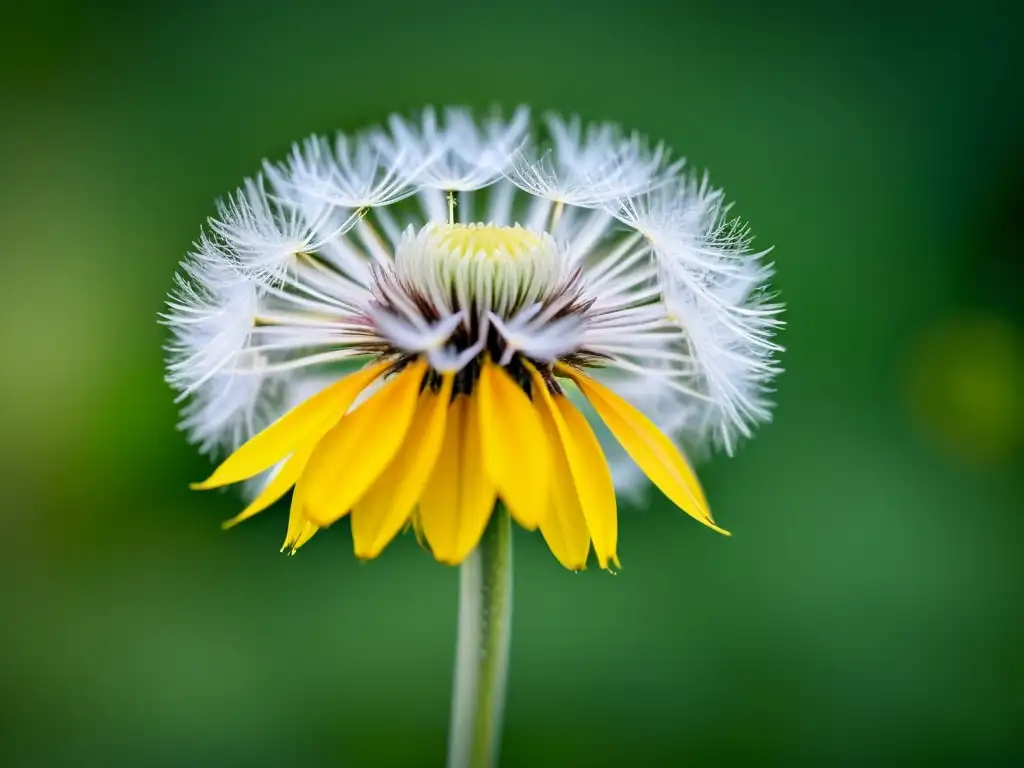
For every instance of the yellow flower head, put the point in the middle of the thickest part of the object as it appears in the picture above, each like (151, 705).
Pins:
(481, 285)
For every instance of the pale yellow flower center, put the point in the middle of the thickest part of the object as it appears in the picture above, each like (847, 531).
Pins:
(488, 240)
(483, 266)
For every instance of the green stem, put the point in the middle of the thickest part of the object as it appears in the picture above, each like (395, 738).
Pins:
(481, 657)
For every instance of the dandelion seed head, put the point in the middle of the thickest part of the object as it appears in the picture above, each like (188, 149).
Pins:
(459, 254)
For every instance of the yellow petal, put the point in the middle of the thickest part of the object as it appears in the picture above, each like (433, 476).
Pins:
(304, 531)
(300, 528)
(563, 526)
(416, 523)
(382, 512)
(279, 484)
(515, 448)
(267, 448)
(653, 452)
(594, 487)
(353, 454)
(459, 497)
(308, 529)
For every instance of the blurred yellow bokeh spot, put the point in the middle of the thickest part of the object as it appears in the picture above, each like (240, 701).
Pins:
(966, 387)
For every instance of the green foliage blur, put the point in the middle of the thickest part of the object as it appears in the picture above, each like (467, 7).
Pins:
(868, 609)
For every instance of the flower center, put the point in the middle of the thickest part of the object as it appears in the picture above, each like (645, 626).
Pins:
(479, 267)
(488, 241)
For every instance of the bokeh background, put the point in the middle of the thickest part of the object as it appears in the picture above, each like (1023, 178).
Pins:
(868, 608)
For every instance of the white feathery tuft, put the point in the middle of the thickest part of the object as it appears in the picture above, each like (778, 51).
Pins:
(589, 167)
(260, 233)
(365, 171)
(211, 315)
(456, 154)
(710, 282)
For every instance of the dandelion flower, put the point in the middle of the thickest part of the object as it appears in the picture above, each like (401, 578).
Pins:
(481, 283)
(428, 323)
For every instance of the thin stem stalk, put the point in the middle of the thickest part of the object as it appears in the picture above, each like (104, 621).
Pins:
(481, 657)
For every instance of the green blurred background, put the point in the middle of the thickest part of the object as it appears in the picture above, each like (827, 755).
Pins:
(867, 609)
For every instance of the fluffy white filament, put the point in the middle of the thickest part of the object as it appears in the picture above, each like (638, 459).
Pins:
(341, 252)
